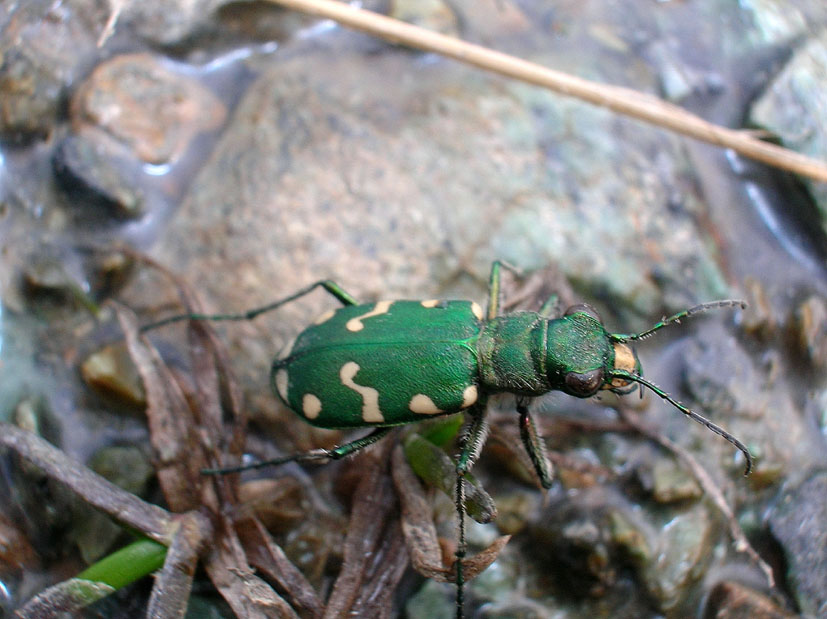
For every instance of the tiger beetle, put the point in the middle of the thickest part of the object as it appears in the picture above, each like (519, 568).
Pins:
(392, 363)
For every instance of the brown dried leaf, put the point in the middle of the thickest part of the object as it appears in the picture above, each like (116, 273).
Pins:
(418, 521)
(65, 597)
(269, 559)
(247, 594)
(373, 504)
(377, 593)
(171, 424)
(173, 583)
(474, 566)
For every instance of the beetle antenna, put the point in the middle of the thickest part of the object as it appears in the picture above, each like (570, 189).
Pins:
(689, 413)
(703, 307)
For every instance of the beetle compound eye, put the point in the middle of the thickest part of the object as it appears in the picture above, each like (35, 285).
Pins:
(585, 384)
(584, 308)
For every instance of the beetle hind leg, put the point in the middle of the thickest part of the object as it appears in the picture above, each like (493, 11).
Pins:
(473, 441)
(315, 455)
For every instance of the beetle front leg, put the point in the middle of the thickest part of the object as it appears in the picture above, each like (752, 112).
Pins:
(534, 445)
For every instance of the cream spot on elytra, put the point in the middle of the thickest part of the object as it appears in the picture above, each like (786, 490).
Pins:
(469, 396)
(423, 405)
(476, 310)
(356, 324)
(430, 303)
(370, 396)
(281, 383)
(311, 406)
(324, 317)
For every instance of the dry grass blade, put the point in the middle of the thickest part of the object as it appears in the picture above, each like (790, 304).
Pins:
(418, 521)
(709, 487)
(419, 530)
(172, 429)
(69, 596)
(125, 508)
(391, 560)
(622, 100)
(373, 504)
(269, 559)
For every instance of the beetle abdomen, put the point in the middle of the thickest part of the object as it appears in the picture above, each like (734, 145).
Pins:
(383, 364)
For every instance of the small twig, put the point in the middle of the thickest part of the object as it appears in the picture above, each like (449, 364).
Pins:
(626, 101)
(127, 509)
(709, 487)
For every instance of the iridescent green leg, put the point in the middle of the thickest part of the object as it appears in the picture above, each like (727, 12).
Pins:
(549, 309)
(330, 286)
(315, 455)
(494, 292)
(473, 442)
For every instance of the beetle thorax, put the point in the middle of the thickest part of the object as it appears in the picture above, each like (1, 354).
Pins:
(512, 354)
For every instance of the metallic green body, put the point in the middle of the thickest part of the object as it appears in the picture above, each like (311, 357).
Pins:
(397, 362)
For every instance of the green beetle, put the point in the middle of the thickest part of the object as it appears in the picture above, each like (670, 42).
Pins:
(391, 363)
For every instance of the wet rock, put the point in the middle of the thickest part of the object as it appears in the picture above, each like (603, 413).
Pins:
(98, 177)
(514, 509)
(758, 317)
(810, 330)
(111, 371)
(731, 600)
(629, 534)
(797, 520)
(793, 107)
(109, 270)
(434, 600)
(515, 609)
(776, 21)
(255, 20)
(683, 545)
(278, 503)
(724, 381)
(433, 15)
(43, 46)
(32, 414)
(125, 466)
(53, 284)
(576, 540)
(678, 79)
(667, 482)
(139, 100)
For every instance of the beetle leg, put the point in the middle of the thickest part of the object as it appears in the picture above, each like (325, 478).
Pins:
(315, 455)
(494, 291)
(329, 285)
(549, 308)
(534, 444)
(472, 444)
